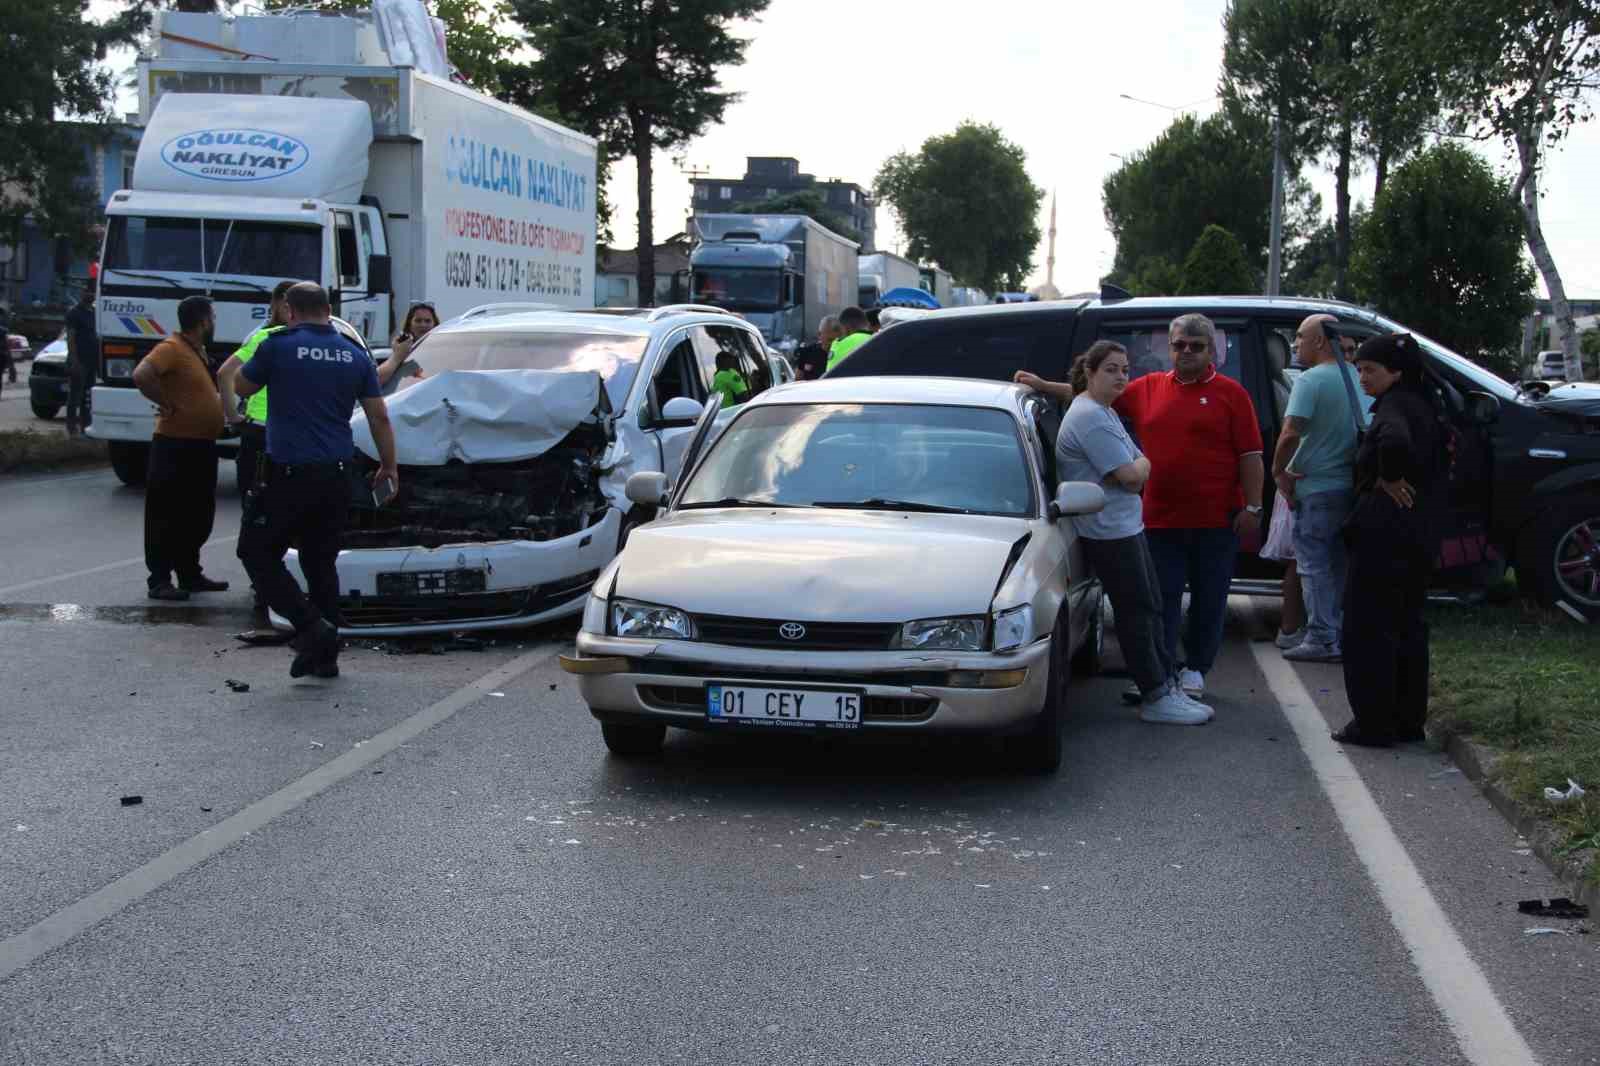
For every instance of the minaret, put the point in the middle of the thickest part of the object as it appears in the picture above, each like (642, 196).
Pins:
(1050, 259)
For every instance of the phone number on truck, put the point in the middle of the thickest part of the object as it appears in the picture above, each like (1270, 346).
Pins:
(504, 273)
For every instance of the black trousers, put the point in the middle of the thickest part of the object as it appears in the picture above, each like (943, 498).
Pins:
(180, 505)
(1128, 573)
(1384, 637)
(252, 448)
(305, 507)
(80, 379)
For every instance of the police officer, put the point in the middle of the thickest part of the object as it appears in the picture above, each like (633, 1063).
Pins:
(317, 377)
(252, 424)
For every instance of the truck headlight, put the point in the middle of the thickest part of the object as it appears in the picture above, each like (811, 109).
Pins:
(594, 615)
(649, 621)
(943, 634)
(1013, 628)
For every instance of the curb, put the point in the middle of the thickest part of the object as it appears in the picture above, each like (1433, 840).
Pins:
(1477, 763)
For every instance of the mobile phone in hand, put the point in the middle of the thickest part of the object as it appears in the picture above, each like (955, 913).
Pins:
(383, 491)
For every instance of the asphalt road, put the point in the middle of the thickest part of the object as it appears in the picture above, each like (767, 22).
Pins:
(433, 860)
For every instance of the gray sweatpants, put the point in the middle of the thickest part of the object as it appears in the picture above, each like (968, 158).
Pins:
(1128, 574)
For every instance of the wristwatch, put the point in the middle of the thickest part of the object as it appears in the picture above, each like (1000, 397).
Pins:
(1253, 508)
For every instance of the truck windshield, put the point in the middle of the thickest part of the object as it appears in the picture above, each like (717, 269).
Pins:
(209, 246)
(614, 358)
(737, 289)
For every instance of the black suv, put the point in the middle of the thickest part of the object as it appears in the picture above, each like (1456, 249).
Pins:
(1525, 483)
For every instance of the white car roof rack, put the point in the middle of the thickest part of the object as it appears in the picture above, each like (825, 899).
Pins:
(684, 309)
(484, 310)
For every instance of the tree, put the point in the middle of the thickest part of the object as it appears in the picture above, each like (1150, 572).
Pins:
(50, 69)
(1154, 275)
(1520, 71)
(1216, 266)
(1442, 252)
(636, 73)
(804, 202)
(964, 201)
(1196, 174)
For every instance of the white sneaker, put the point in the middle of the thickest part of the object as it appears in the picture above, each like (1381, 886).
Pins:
(1192, 682)
(1311, 652)
(1205, 707)
(1131, 695)
(1285, 641)
(1173, 709)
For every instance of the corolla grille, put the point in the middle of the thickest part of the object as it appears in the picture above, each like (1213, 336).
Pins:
(795, 633)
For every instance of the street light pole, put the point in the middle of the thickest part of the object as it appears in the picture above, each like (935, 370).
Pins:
(1275, 239)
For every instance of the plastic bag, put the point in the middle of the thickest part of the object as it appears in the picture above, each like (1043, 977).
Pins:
(1280, 532)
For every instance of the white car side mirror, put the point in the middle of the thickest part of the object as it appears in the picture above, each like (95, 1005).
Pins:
(683, 410)
(648, 488)
(1079, 497)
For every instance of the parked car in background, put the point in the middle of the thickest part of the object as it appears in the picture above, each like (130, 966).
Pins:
(21, 351)
(1524, 482)
(1550, 366)
(860, 555)
(47, 380)
(517, 431)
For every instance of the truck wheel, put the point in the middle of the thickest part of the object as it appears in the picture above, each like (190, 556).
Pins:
(632, 741)
(1558, 561)
(45, 411)
(130, 460)
(1038, 751)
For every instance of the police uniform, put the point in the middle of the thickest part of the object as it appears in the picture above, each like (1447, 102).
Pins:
(253, 431)
(316, 377)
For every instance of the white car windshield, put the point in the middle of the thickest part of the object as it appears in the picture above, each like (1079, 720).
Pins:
(614, 357)
(910, 457)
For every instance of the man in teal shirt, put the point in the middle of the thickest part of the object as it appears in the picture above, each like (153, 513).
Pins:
(1314, 466)
(853, 321)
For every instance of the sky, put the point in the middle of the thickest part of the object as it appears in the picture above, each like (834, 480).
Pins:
(841, 85)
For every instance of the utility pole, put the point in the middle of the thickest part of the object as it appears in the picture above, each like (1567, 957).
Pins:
(1275, 240)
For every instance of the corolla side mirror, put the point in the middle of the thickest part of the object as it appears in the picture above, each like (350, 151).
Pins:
(1078, 497)
(647, 488)
(680, 411)
(1483, 408)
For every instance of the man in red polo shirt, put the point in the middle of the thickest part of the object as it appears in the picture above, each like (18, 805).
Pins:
(1200, 433)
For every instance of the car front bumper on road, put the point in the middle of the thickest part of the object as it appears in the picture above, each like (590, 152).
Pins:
(386, 592)
(630, 680)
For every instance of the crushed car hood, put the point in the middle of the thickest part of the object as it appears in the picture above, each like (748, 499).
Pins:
(1582, 400)
(810, 565)
(486, 416)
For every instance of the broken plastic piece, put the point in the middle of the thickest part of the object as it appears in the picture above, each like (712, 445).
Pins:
(1559, 907)
(1545, 931)
(236, 686)
(132, 801)
(1574, 791)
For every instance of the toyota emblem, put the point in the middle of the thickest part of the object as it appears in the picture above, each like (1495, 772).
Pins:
(791, 631)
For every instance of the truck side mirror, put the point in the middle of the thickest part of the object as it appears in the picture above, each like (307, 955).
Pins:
(380, 275)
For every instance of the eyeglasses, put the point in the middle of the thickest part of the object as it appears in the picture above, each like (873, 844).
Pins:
(1188, 347)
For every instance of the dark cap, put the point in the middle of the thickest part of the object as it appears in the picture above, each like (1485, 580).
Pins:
(1397, 351)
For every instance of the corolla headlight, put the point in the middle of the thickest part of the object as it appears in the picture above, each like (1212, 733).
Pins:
(594, 615)
(649, 621)
(1013, 628)
(944, 634)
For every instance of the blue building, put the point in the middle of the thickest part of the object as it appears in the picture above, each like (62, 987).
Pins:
(42, 274)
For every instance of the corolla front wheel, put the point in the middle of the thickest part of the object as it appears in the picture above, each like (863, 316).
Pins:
(1038, 751)
(630, 741)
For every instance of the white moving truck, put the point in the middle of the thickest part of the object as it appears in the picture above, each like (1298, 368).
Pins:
(882, 271)
(385, 185)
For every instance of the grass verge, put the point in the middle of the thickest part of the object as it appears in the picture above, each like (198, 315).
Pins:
(24, 450)
(1526, 684)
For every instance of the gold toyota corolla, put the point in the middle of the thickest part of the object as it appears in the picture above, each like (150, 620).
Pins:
(854, 555)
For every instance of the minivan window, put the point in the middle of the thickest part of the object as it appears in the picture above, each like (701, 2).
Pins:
(614, 357)
(974, 349)
(1149, 353)
(1477, 375)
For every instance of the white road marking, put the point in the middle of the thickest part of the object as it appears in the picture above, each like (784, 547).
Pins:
(102, 568)
(26, 947)
(1484, 1030)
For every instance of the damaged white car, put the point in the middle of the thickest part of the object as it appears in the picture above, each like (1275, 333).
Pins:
(516, 435)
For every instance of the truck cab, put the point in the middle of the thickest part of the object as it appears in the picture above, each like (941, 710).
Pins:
(752, 278)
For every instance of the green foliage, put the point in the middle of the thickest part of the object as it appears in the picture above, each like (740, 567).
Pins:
(637, 74)
(1196, 174)
(804, 202)
(1216, 266)
(1442, 252)
(965, 202)
(1154, 275)
(50, 68)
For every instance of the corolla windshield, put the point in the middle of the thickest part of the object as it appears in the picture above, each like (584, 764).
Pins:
(614, 357)
(893, 457)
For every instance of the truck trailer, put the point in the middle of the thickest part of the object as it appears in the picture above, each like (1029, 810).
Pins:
(784, 273)
(384, 184)
(882, 271)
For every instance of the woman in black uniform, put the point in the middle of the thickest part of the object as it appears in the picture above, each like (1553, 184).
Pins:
(1391, 541)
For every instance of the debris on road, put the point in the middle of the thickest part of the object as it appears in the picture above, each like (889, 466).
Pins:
(1559, 907)
(316, 744)
(263, 638)
(132, 801)
(236, 686)
(1574, 791)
